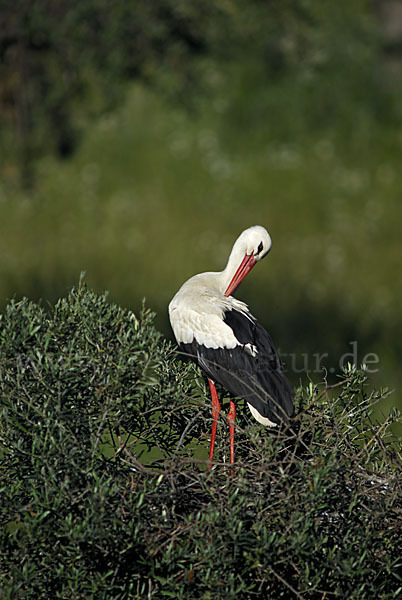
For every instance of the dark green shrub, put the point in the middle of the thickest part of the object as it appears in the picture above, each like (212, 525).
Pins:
(104, 487)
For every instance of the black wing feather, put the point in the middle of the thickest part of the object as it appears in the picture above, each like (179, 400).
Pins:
(257, 376)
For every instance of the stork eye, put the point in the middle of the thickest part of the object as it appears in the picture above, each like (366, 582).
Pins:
(260, 247)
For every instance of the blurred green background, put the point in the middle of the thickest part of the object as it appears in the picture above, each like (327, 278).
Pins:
(139, 139)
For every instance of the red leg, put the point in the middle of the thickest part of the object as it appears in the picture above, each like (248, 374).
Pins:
(231, 420)
(216, 409)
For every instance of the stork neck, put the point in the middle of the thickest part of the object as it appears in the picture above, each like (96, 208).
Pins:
(235, 258)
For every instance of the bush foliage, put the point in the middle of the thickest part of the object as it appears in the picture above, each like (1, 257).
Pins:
(105, 491)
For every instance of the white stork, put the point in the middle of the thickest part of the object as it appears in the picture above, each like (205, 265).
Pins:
(220, 334)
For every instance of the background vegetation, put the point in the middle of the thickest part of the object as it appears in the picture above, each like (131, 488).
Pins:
(137, 140)
(104, 489)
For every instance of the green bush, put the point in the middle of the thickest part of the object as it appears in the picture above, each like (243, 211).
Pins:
(104, 486)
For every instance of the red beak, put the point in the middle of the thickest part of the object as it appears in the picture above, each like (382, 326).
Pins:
(245, 267)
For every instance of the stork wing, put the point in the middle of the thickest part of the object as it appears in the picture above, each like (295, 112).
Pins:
(251, 370)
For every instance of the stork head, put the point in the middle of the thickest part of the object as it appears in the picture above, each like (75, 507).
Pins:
(252, 245)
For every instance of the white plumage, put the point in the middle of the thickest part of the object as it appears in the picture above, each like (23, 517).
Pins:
(196, 311)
